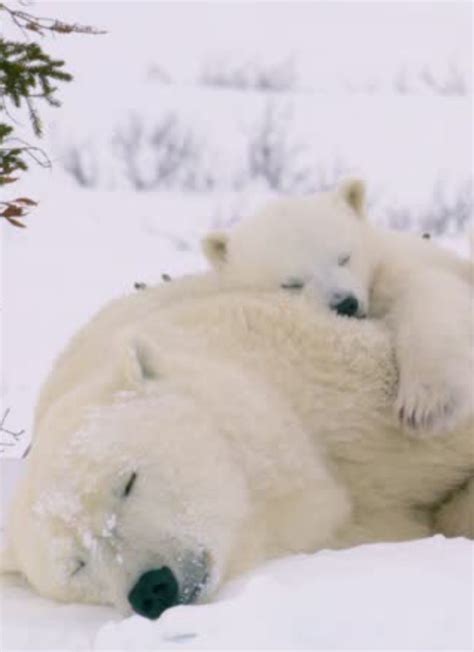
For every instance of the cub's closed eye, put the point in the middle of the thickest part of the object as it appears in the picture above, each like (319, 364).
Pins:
(293, 284)
(343, 260)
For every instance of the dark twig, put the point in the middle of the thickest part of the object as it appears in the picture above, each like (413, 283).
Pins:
(16, 435)
(27, 22)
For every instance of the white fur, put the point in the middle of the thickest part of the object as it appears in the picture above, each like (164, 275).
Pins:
(257, 426)
(455, 518)
(422, 291)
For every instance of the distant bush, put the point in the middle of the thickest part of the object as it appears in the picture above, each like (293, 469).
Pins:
(167, 155)
(278, 161)
(251, 75)
(444, 213)
(164, 156)
(273, 157)
(450, 82)
(81, 163)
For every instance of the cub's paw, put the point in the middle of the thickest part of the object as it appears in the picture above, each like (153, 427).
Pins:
(428, 408)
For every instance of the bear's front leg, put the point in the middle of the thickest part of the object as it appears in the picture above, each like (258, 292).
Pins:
(432, 322)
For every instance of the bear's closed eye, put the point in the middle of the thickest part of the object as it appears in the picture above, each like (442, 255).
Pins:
(129, 486)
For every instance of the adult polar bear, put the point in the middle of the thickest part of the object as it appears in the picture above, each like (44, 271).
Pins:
(188, 433)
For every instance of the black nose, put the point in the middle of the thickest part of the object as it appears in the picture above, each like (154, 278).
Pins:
(348, 306)
(155, 591)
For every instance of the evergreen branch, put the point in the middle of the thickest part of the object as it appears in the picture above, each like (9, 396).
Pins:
(27, 76)
(36, 153)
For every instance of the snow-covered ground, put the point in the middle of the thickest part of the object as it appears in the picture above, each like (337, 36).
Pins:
(406, 596)
(360, 107)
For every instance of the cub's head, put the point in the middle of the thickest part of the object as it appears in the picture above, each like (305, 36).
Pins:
(314, 244)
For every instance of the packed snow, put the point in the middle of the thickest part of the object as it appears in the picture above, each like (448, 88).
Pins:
(360, 105)
(405, 596)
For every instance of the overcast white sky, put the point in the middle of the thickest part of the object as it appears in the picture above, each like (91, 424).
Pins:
(354, 40)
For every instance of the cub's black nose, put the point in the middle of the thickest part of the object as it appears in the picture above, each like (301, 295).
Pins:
(154, 592)
(348, 306)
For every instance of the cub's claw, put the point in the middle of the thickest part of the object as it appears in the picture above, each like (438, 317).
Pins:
(427, 409)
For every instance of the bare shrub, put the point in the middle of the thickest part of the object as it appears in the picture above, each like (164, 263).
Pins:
(166, 156)
(452, 82)
(272, 157)
(81, 163)
(279, 162)
(129, 141)
(251, 75)
(445, 212)
(402, 83)
(448, 82)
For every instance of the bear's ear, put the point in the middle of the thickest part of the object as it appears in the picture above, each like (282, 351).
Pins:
(353, 193)
(141, 362)
(215, 246)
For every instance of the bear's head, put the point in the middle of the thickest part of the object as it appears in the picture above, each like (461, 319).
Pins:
(319, 244)
(138, 506)
(155, 494)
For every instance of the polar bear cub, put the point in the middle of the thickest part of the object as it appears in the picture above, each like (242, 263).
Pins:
(325, 245)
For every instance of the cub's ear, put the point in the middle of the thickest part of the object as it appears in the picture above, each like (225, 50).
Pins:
(215, 247)
(353, 193)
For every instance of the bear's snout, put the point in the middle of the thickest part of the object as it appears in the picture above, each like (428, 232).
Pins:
(347, 305)
(154, 592)
(158, 589)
